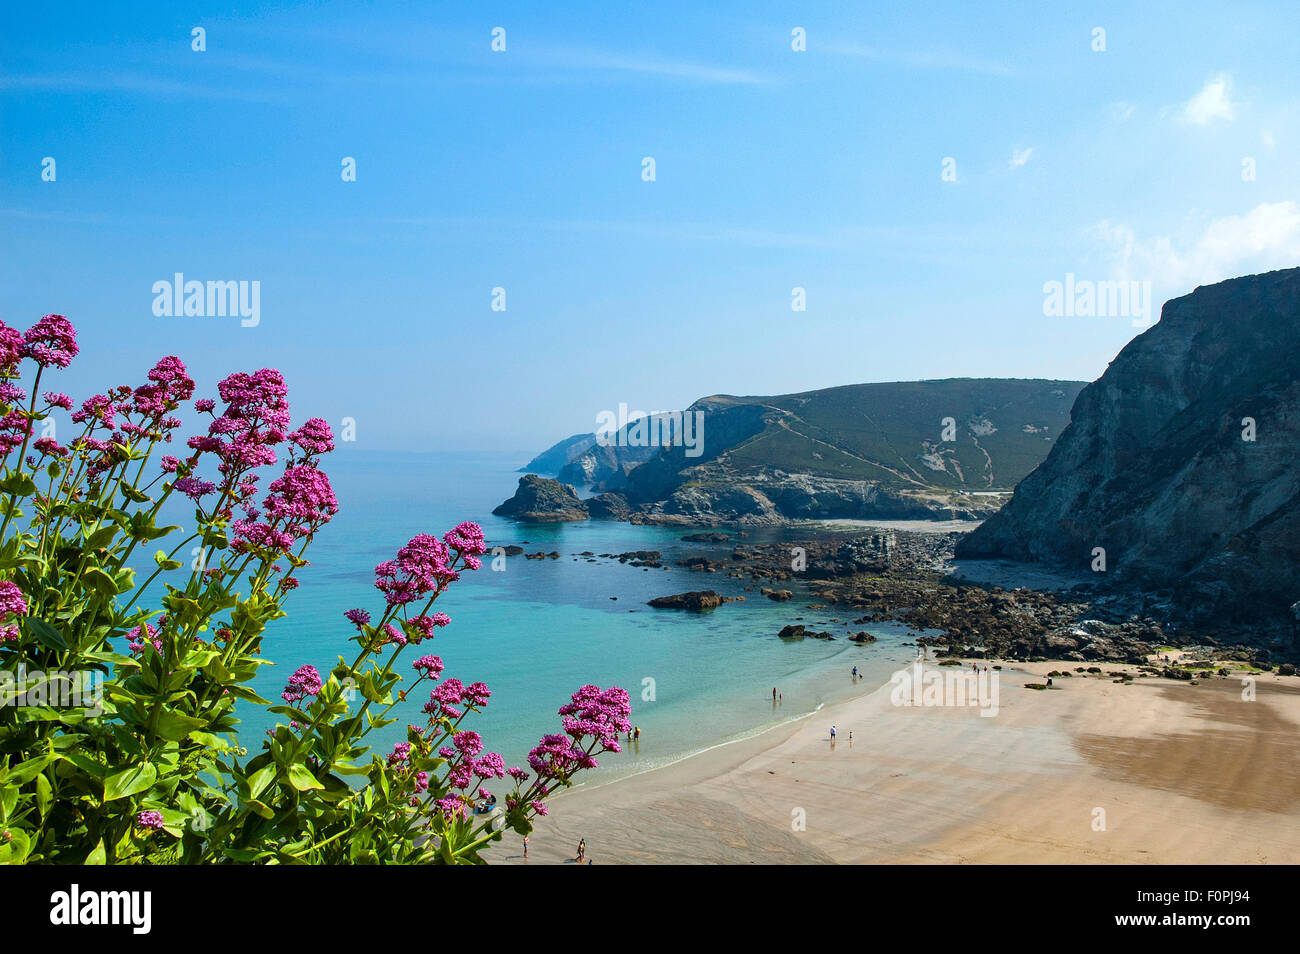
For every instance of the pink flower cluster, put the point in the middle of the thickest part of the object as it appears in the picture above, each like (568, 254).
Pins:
(146, 634)
(593, 718)
(427, 565)
(13, 604)
(303, 683)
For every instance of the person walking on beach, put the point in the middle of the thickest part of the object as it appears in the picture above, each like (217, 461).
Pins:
(525, 846)
(855, 672)
(582, 851)
(832, 735)
(774, 693)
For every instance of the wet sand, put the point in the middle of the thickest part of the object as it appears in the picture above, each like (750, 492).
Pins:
(1091, 771)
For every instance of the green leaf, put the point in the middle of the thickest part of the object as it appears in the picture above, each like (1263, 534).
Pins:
(98, 855)
(101, 537)
(258, 781)
(161, 559)
(17, 483)
(174, 726)
(44, 795)
(46, 633)
(302, 779)
(132, 781)
(100, 582)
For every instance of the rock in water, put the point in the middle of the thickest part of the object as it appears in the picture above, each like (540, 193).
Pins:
(543, 500)
(695, 600)
(1180, 461)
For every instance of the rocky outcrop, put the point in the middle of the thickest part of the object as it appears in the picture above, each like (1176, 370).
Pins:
(796, 631)
(543, 500)
(697, 600)
(609, 506)
(1180, 461)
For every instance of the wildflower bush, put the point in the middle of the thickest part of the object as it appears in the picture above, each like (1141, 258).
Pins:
(151, 769)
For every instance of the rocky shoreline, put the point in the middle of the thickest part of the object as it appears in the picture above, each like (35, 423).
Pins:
(908, 577)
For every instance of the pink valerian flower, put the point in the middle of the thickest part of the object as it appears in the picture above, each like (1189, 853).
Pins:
(56, 399)
(249, 534)
(421, 781)
(11, 348)
(303, 683)
(314, 437)
(151, 820)
(48, 445)
(597, 714)
(491, 765)
(453, 807)
(422, 567)
(194, 488)
(357, 617)
(395, 635)
(169, 464)
(429, 667)
(169, 386)
(401, 753)
(466, 539)
(15, 428)
(593, 718)
(13, 601)
(302, 498)
(204, 405)
(468, 742)
(99, 408)
(51, 342)
(11, 393)
(144, 635)
(445, 700)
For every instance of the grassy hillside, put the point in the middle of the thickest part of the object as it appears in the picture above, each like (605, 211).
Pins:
(893, 432)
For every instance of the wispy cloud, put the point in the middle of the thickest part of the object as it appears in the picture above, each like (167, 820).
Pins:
(921, 59)
(614, 62)
(1020, 157)
(1121, 112)
(1265, 238)
(1213, 102)
(130, 83)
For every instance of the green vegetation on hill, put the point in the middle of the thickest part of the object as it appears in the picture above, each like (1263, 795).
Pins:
(894, 432)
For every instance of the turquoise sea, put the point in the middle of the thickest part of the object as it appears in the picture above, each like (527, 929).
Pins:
(539, 629)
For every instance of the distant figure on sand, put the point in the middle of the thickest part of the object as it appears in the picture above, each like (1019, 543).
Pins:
(525, 846)
(832, 733)
(774, 693)
(582, 851)
(855, 672)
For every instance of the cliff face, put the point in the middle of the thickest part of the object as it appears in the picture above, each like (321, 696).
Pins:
(1155, 466)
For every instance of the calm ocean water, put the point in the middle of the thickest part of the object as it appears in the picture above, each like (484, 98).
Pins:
(541, 628)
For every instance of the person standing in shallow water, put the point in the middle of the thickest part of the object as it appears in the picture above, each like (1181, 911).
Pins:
(774, 693)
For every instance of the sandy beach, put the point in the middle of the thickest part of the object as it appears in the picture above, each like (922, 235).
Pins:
(1092, 770)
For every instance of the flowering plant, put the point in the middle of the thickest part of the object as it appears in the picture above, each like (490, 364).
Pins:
(118, 718)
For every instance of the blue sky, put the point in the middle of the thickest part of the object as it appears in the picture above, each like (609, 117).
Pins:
(522, 169)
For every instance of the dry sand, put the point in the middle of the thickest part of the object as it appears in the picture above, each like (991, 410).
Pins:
(1092, 771)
